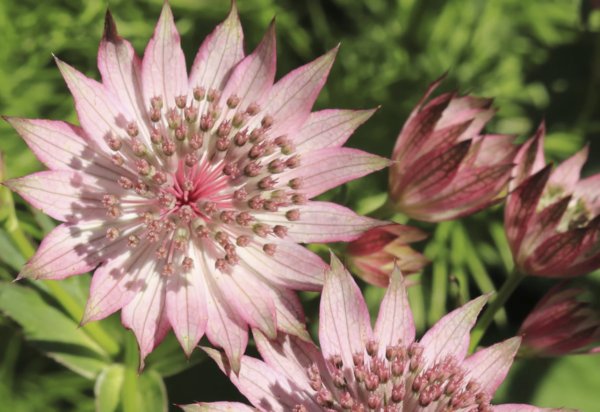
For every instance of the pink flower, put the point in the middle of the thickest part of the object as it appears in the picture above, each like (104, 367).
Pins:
(443, 168)
(373, 255)
(552, 217)
(362, 369)
(193, 191)
(560, 325)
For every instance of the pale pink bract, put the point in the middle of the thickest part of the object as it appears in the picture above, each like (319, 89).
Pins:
(382, 369)
(192, 192)
(443, 168)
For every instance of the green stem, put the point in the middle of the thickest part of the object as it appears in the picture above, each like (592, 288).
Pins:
(497, 303)
(129, 391)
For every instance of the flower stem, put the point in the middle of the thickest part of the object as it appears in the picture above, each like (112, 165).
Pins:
(497, 303)
(129, 391)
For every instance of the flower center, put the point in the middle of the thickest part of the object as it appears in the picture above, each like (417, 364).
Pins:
(204, 173)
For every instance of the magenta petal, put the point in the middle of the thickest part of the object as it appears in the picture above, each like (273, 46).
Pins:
(450, 335)
(520, 208)
(291, 98)
(290, 314)
(218, 55)
(163, 68)
(117, 282)
(253, 77)
(329, 128)
(71, 249)
(323, 222)
(264, 386)
(100, 113)
(489, 366)
(217, 407)
(566, 174)
(323, 169)
(225, 328)
(530, 159)
(291, 356)
(292, 266)
(555, 254)
(63, 146)
(251, 300)
(395, 320)
(66, 195)
(146, 315)
(186, 306)
(345, 323)
(121, 71)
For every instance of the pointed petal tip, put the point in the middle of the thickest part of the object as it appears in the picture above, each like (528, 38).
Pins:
(110, 28)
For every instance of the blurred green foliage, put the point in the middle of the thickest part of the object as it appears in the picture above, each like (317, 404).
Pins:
(539, 58)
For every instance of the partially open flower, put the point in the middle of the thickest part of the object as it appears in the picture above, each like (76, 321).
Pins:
(363, 369)
(373, 255)
(443, 168)
(552, 218)
(166, 185)
(560, 325)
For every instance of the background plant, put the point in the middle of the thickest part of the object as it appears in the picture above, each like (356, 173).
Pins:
(539, 59)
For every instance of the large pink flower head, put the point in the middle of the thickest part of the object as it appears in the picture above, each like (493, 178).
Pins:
(560, 324)
(364, 369)
(193, 192)
(552, 218)
(443, 168)
(372, 256)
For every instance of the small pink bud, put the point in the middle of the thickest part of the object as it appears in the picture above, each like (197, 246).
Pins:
(325, 398)
(191, 114)
(132, 129)
(117, 160)
(114, 212)
(113, 233)
(168, 269)
(253, 109)
(221, 265)
(155, 114)
(173, 119)
(224, 129)
(240, 119)
(252, 169)
(161, 252)
(242, 241)
(371, 381)
(209, 208)
(296, 183)
(374, 401)
(160, 178)
(227, 216)
(280, 231)
(152, 236)
(233, 101)
(339, 381)
(202, 231)
(181, 132)
(186, 213)
(270, 249)
(169, 147)
(241, 138)
(267, 121)
(114, 143)
(199, 93)
(299, 199)
(256, 203)
(346, 400)
(425, 398)
(293, 215)
(244, 219)
(109, 200)
(398, 393)
(180, 101)
(257, 135)
(206, 122)
(143, 167)
(213, 95)
(372, 347)
(419, 383)
(267, 183)
(358, 358)
(293, 162)
(196, 141)
(188, 263)
(240, 195)
(262, 230)
(133, 241)
(191, 159)
(125, 183)
(360, 373)
(276, 166)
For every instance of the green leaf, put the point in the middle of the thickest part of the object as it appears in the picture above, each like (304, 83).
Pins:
(51, 331)
(151, 391)
(9, 254)
(108, 388)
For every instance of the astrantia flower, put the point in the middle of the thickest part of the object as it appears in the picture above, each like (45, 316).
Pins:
(361, 369)
(194, 192)
(373, 255)
(560, 325)
(443, 168)
(552, 218)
